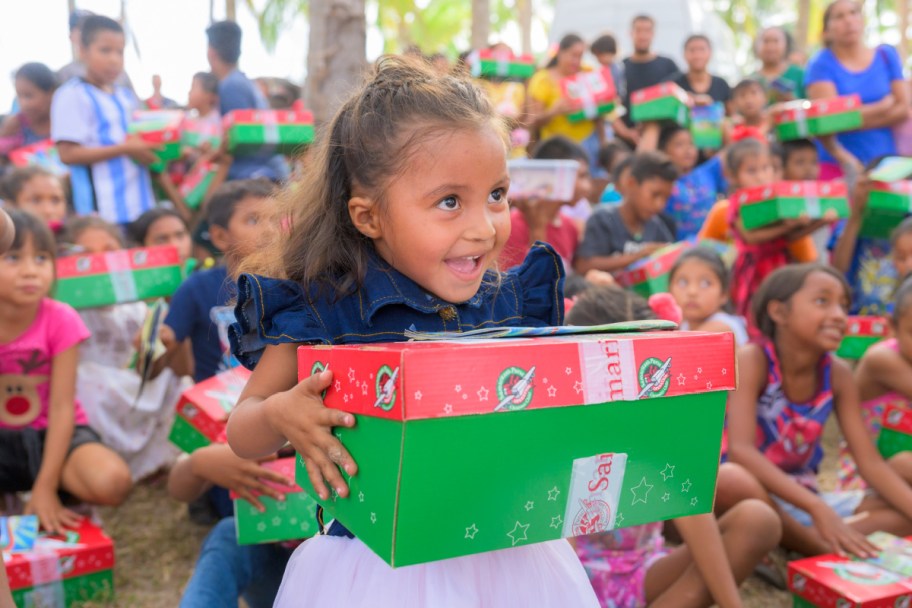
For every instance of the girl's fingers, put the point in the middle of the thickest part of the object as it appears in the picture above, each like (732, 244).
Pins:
(339, 455)
(249, 497)
(316, 478)
(330, 417)
(332, 476)
(69, 518)
(275, 477)
(267, 490)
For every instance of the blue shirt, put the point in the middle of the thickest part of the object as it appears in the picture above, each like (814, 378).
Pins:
(193, 314)
(693, 196)
(872, 84)
(237, 92)
(871, 275)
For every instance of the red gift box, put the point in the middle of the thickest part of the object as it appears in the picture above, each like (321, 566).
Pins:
(279, 117)
(205, 408)
(868, 326)
(808, 189)
(804, 108)
(663, 89)
(125, 260)
(589, 92)
(830, 581)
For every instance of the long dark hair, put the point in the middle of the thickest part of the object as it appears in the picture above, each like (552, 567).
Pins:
(568, 41)
(29, 225)
(781, 285)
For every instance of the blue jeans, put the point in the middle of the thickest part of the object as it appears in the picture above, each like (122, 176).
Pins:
(225, 571)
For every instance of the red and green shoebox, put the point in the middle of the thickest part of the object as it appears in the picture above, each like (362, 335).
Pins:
(831, 581)
(162, 127)
(664, 101)
(706, 125)
(468, 446)
(861, 334)
(488, 63)
(803, 118)
(765, 205)
(896, 429)
(650, 275)
(41, 154)
(62, 571)
(589, 94)
(195, 132)
(889, 204)
(196, 184)
(202, 412)
(252, 132)
(114, 277)
(292, 519)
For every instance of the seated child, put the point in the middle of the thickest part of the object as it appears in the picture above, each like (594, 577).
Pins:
(619, 236)
(37, 191)
(162, 226)
(610, 157)
(789, 384)
(534, 220)
(46, 444)
(632, 567)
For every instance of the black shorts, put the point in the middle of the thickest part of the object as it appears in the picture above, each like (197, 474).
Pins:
(21, 452)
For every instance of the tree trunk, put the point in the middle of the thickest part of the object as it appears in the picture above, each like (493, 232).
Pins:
(902, 12)
(336, 54)
(524, 8)
(230, 10)
(481, 23)
(802, 25)
(71, 8)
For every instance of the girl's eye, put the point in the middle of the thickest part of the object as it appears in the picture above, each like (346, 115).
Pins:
(41, 258)
(448, 204)
(705, 284)
(498, 196)
(682, 283)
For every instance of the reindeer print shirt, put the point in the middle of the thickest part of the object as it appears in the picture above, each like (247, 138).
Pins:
(25, 366)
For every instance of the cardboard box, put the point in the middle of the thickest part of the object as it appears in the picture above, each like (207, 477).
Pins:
(162, 127)
(650, 275)
(196, 132)
(706, 125)
(861, 334)
(292, 519)
(202, 412)
(253, 132)
(664, 101)
(895, 553)
(803, 118)
(888, 204)
(487, 63)
(545, 179)
(115, 277)
(196, 184)
(42, 154)
(477, 445)
(18, 533)
(896, 429)
(765, 205)
(63, 570)
(589, 94)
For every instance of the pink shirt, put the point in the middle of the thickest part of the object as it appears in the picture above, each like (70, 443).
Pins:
(25, 366)
(560, 234)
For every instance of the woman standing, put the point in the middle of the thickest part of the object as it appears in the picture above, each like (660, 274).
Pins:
(782, 79)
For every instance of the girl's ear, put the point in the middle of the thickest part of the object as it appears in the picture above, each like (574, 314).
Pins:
(777, 311)
(364, 214)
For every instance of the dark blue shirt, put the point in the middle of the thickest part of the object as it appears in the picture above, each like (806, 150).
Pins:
(693, 196)
(193, 313)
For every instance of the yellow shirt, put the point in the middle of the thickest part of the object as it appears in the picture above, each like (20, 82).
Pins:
(545, 89)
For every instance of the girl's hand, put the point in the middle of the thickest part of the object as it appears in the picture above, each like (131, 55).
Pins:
(860, 194)
(45, 503)
(299, 415)
(840, 536)
(217, 464)
(140, 150)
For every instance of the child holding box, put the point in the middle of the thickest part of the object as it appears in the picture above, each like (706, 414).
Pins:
(38, 191)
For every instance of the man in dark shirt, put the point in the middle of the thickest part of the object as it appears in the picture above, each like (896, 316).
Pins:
(697, 80)
(644, 68)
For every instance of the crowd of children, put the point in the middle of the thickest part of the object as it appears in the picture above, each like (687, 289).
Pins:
(399, 221)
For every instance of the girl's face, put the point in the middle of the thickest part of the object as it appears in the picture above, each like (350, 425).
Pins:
(26, 274)
(697, 54)
(199, 99)
(169, 230)
(570, 60)
(698, 291)
(97, 240)
(772, 47)
(817, 313)
(43, 196)
(682, 151)
(34, 103)
(902, 255)
(755, 170)
(443, 221)
(845, 24)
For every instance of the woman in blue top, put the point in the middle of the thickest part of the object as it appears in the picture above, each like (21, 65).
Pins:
(847, 65)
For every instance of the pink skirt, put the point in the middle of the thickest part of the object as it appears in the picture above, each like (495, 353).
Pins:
(331, 572)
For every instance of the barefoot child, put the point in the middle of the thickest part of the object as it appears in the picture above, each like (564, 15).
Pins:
(46, 444)
(404, 207)
(789, 385)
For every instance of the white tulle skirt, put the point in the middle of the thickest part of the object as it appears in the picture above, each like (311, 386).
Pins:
(336, 572)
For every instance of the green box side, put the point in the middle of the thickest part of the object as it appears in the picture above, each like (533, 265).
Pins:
(757, 215)
(292, 519)
(709, 138)
(769, 212)
(491, 69)
(158, 282)
(376, 446)
(652, 285)
(835, 123)
(885, 210)
(853, 347)
(890, 443)
(454, 471)
(600, 110)
(165, 154)
(92, 291)
(800, 602)
(195, 197)
(185, 436)
(94, 587)
(663, 108)
(250, 139)
(787, 131)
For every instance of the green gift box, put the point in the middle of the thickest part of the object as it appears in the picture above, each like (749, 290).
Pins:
(888, 204)
(196, 132)
(292, 519)
(467, 446)
(196, 184)
(896, 429)
(765, 205)
(487, 63)
(115, 277)
(803, 118)
(664, 101)
(254, 132)
(589, 94)
(202, 411)
(861, 334)
(649, 276)
(706, 126)
(162, 127)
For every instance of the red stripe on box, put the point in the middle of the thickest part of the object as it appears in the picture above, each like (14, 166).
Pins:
(268, 117)
(897, 416)
(102, 263)
(868, 326)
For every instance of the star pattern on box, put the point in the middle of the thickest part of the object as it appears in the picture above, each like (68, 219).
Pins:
(693, 501)
(281, 506)
(530, 505)
(519, 533)
(544, 381)
(360, 496)
(483, 394)
(709, 385)
(699, 370)
(351, 374)
(364, 389)
(345, 398)
(418, 395)
(681, 380)
(556, 521)
(276, 521)
(553, 493)
(261, 527)
(668, 472)
(578, 387)
(724, 371)
(552, 391)
(373, 517)
(685, 487)
(333, 495)
(465, 396)
(471, 531)
(641, 492)
(338, 385)
(458, 388)
(666, 497)
(447, 408)
(619, 519)
(568, 371)
(293, 521)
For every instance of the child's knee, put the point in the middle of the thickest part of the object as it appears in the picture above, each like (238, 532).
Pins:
(114, 484)
(760, 521)
(734, 485)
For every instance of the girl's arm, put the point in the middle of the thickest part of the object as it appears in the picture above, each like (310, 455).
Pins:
(539, 116)
(275, 408)
(873, 468)
(649, 138)
(844, 250)
(887, 369)
(892, 109)
(6, 599)
(139, 150)
(174, 195)
(10, 126)
(61, 420)
(701, 535)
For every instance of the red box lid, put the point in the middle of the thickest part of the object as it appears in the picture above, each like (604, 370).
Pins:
(588, 88)
(280, 117)
(415, 380)
(491, 55)
(792, 111)
(20, 157)
(663, 89)
(808, 189)
(899, 187)
(897, 416)
(206, 405)
(55, 558)
(868, 326)
(652, 266)
(196, 177)
(117, 261)
(830, 581)
(283, 466)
